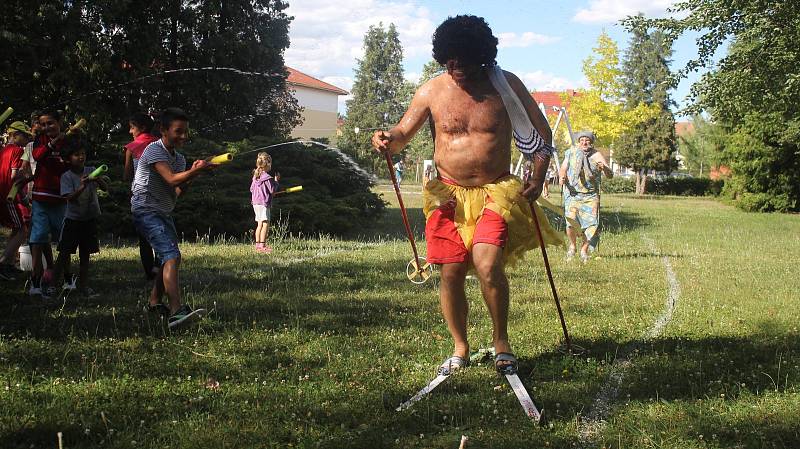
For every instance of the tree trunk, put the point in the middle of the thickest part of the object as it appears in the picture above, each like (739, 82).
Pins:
(641, 181)
(638, 182)
(644, 183)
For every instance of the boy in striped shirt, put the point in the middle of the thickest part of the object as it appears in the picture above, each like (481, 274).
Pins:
(161, 177)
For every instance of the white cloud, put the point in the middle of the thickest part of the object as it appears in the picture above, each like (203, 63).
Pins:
(540, 80)
(610, 11)
(413, 77)
(327, 37)
(511, 40)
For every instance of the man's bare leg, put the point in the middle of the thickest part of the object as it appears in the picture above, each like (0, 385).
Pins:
(488, 261)
(454, 305)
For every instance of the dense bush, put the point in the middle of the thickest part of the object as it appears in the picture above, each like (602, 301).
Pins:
(665, 186)
(684, 186)
(335, 198)
(617, 184)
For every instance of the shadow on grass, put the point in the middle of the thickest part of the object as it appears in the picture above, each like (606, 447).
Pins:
(693, 372)
(622, 221)
(335, 295)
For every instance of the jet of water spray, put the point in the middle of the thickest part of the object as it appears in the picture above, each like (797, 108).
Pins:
(339, 153)
(169, 72)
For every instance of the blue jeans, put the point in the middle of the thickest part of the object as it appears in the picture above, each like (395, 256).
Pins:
(46, 222)
(159, 230)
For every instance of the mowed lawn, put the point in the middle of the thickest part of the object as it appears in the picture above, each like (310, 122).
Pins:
(315, 345)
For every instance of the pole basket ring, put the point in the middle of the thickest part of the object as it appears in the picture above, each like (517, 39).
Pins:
(419, 271)
(572, 349)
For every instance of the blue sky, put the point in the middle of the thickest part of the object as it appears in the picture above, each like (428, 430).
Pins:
(544, 43)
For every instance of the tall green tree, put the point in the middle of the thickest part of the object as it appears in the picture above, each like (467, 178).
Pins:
(421, 146)
(753, 92)
(649, 144)
(702, 148)
(601, 107)
(378, 95)
(104, 59)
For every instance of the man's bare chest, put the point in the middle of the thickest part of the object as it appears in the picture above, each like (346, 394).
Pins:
(463, 114)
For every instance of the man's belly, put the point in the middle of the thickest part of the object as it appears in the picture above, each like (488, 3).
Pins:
(474, 166)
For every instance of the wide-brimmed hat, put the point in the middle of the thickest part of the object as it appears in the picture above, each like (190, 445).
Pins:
(20, 127)
(588, 134)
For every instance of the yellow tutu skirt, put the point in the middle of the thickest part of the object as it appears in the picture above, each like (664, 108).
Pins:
(504, 197)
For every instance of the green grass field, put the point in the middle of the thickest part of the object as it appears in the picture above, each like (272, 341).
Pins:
(315, 345)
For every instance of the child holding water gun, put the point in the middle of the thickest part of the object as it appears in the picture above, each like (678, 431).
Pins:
(262, 189)
(79, 231)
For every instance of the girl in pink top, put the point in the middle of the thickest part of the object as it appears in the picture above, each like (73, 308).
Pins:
(140, 126)
(262, 188)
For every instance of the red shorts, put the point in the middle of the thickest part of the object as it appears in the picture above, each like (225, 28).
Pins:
(444, 242)
(14, 216)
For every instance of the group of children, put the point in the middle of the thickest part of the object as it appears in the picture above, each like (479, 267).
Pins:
(61, 203)
(58, 202)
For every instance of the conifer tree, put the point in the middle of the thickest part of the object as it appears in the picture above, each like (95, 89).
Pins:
(650, 144)
(422, 145)
(378, 93)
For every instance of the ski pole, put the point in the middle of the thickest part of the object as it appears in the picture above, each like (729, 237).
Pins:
(550, 278)
(418, 271)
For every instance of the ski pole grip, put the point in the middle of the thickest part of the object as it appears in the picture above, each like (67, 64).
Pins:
(6, 114)
(221, 159)
(77, 126)
(98, 171)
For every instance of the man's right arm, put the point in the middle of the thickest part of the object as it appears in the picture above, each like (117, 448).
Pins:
(418, 112)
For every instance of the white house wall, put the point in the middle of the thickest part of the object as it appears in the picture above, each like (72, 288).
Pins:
(319, 113)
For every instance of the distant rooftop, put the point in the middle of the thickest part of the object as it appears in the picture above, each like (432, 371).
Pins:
(683, 128)
(298, 78)
(552, 98)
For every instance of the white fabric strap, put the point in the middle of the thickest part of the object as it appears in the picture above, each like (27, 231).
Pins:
(528, 140)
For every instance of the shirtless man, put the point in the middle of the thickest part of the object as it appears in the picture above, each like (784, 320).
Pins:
(472, 134)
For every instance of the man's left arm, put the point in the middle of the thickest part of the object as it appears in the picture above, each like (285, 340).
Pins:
(540, 159)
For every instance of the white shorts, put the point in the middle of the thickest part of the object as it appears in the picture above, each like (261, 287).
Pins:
(262, 212)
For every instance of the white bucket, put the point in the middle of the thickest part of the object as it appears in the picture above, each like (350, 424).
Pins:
(25, 259)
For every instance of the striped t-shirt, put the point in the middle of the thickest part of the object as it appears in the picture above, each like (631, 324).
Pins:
(151, 193)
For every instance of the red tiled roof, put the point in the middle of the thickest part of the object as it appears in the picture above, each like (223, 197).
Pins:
(552, 98)
(298, 78)
(683, 128)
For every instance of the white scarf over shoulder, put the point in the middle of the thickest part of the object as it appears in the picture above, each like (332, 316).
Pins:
(528, 140)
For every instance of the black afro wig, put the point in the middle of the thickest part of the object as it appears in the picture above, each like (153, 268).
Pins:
(467, 39)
